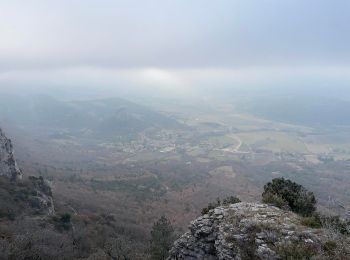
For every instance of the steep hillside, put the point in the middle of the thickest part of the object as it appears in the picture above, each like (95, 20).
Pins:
(27, 226)
(20, 196)
(32, 228)
(8, 164)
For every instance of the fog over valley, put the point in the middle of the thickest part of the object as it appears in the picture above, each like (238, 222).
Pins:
(174, 129)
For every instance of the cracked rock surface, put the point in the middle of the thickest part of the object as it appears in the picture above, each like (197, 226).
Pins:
(40, 195)
(244, 231)
(8, 164)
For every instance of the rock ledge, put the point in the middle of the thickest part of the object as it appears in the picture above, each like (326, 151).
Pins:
(244, 231)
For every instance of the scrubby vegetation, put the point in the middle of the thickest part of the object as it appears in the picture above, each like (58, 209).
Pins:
(334, 223)
(290, 195)
(296, 251)
(287, 194)
(21, 197)
(162, 238)
(226, 201)
(62, 222)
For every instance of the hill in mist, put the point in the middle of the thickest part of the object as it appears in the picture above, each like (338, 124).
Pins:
(103, 118)
(303, 110)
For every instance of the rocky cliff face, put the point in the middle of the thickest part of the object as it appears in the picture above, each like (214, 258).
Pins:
(34, 191)
(8, 164)
(248, 231)
(42, 198)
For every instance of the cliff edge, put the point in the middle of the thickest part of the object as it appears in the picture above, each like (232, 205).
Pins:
(17, 193)
(251, 231)
(8, 164)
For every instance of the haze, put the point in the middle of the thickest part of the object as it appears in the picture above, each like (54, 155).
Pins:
(122, 121)
(173, 47)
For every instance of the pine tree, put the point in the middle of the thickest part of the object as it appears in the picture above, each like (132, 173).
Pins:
(162, 237)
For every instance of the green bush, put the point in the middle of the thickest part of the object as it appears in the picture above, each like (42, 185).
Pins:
(313, 221)
(330, 246)
(208, 208)
(226, 201)
(63, 222)
(65, 218)
(162, 238)
(282, 192)
(336, 224)
(7, 213)
(231, 200)
(275, 200)
(296, 251)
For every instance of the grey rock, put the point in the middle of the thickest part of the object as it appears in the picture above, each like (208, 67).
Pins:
(8, 164)
(41, 196)
(242, 231)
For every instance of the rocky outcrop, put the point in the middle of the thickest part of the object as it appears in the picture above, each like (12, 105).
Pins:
(247, 231)
(8, 164)
(42, 198)
(35, 190)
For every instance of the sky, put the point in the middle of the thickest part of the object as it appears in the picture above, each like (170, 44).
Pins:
(173, 46)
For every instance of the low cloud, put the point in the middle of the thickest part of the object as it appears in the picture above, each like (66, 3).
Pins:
(174, 82)
(173, 34)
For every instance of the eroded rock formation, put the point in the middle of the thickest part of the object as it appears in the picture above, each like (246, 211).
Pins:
(35, 190)
(247, 231)
(8, 164)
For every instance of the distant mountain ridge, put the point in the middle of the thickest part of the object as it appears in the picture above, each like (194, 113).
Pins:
(303, 110)
(101, 118)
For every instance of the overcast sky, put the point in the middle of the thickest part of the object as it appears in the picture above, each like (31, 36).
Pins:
(171, 43)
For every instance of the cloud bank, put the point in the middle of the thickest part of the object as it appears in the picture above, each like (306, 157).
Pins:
(173, 46)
